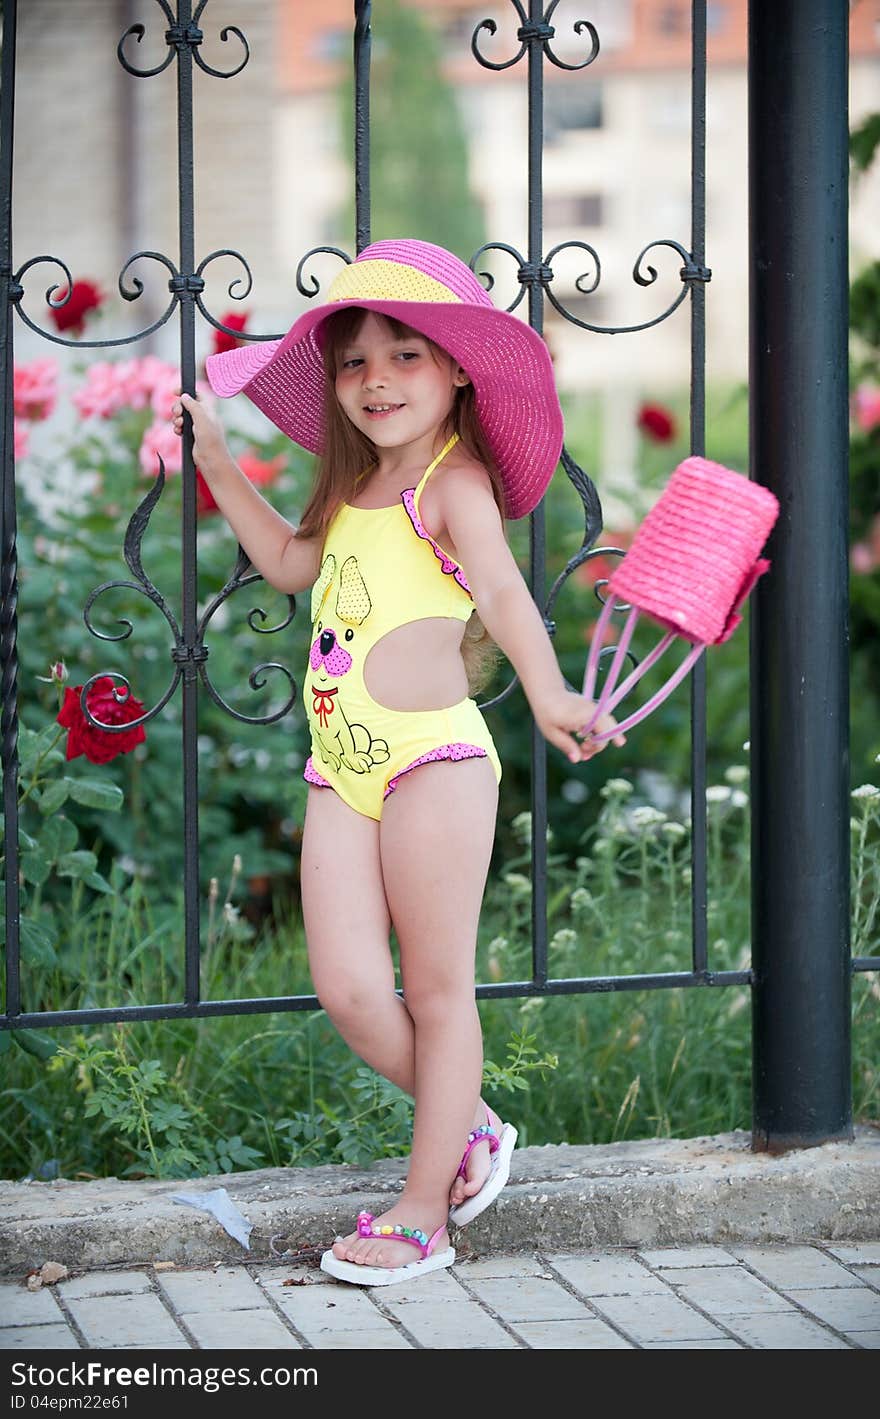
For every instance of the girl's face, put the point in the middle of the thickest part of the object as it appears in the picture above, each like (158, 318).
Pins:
(397, 389)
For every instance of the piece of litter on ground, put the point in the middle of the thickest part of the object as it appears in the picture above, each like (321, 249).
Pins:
(52, 1271)
(164, 1265)
(220, 1205)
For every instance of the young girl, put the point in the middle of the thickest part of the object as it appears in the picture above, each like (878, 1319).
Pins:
(436, 416)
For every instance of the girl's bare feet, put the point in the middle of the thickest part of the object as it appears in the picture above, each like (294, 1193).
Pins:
(479, 1161)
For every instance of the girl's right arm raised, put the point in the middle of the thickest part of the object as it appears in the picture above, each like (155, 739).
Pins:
(287, 562)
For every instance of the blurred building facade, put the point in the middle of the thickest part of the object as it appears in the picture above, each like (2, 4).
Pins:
(96, 168)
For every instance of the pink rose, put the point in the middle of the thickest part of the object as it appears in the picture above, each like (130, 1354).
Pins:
(22, 437)
(867, 407)
(160, 439)
(103, 394)
(35, 389)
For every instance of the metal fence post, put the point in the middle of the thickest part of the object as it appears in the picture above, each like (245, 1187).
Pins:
(798, 179)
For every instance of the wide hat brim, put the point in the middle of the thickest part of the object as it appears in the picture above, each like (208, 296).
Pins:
(507, 362)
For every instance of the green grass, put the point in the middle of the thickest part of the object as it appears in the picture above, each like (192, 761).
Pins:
(183, 1097)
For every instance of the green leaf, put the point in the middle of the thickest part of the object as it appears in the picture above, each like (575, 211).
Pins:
(96, 793)
(38, 943)
(58, 836)
(32, 1043)
(77, 864)
(35, 867)
(5, 1041)
(31, 745)
(52, 797)
(99, 883)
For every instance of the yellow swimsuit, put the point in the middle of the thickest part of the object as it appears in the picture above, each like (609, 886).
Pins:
(381, 569)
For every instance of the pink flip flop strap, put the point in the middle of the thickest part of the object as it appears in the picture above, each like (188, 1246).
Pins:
(484, 1134)
(425, 1244)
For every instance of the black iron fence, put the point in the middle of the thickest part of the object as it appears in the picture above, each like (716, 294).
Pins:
(801, 940)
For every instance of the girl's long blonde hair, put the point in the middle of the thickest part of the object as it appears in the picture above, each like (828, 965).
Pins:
(348, 454)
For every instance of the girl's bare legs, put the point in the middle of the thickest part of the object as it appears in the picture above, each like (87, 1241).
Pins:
(435, 842)
(347, 922)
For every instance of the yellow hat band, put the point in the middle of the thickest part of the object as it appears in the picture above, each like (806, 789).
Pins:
(388, 281)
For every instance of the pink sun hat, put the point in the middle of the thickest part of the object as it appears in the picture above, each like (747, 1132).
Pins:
(692, 564)
(427, 288)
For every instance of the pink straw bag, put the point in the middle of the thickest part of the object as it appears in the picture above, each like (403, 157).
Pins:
(691, 565)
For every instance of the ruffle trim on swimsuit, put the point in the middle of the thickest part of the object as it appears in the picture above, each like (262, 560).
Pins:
(311, 775)
(447, 565)
(443, 751)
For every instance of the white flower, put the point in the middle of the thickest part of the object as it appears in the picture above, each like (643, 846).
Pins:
(580, 899)
(236, 863)
(718, 793)
(747, 746)
(564, 937)
(646, 817)
(519, 885)
(616, 788)
(865, 790)
(230, 913)
(498, 944)
(674, 830)
(738, 799)
(737, 773)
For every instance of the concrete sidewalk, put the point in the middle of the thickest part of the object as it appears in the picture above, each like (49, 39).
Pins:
(657, 1244)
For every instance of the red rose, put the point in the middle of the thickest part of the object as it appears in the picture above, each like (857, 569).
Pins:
(656, 423)
(84, 297)
(255, 469)
(100, 745)
(222, 341)
(600, 567)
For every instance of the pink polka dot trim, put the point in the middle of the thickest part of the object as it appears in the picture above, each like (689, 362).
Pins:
(311, 775)
(443, 751)
(447, 565)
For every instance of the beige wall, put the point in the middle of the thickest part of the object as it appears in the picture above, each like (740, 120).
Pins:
(96, 166)
(269, 175)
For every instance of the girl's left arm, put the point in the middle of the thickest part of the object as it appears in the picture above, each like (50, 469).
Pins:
(506, 608)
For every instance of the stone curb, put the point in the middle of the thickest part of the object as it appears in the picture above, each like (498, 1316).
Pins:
(654, 1192)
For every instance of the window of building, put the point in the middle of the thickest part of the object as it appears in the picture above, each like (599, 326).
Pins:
(331, 45)
(570, 107)
(573, 209)
(717, 17)
(673, 21)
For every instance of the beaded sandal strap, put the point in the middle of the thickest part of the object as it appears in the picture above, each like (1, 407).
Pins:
(484, 1134)
(367, 1227)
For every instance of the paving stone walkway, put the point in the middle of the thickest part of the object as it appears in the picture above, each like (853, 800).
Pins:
(822, 1296)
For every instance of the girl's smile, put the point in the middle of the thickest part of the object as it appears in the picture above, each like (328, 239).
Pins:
(396, 389)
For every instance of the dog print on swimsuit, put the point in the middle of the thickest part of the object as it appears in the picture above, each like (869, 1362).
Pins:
(336, 651)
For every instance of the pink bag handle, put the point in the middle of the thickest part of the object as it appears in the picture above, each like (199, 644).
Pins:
(612, 694)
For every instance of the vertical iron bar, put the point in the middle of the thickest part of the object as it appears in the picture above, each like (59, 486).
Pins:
(188, 550)
(9, 529)
(537, 521)
(362, 50)
(798, 177)
(699, 873)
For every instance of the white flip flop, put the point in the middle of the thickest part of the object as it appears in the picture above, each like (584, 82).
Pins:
(499, 1172)
(360, 1275)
